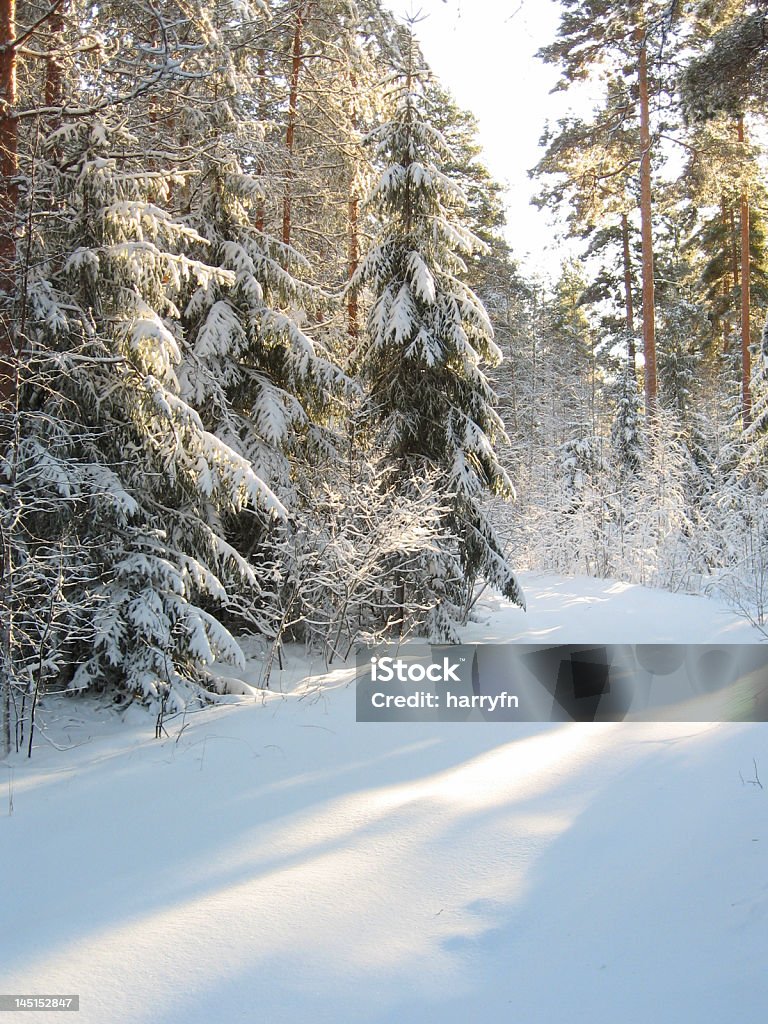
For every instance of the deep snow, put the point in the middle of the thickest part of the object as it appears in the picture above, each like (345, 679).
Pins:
(275, 861)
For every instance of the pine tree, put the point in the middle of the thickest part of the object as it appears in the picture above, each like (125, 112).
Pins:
(590, 166)
(728, 72)
(631, 37)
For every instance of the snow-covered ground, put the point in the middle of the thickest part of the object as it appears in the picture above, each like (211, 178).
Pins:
(277, 862)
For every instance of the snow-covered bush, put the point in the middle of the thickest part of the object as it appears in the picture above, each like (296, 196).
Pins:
(365, 564)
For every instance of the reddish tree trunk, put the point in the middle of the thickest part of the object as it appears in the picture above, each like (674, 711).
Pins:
(302, 12)
(649, 313)
(54, 69)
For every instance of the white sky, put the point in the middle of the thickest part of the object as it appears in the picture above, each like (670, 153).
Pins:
(483, 51)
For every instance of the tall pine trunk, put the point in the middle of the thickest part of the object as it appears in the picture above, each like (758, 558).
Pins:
(54, 68)
(302, 13)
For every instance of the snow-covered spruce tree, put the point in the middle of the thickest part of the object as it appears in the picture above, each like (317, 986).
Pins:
(626, 429)
(429, 403)
(131, 468)
(263, 385)
(626, 453)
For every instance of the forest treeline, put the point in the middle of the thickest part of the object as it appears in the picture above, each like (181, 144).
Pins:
(256, 290)
(635, 392)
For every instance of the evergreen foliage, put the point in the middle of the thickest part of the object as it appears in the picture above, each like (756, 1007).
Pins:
(429, 402)
(134, 465)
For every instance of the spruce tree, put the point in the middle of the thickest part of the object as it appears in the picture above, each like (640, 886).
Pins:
(626, 430)
(429, 403)
(262, 382)
(113, 491)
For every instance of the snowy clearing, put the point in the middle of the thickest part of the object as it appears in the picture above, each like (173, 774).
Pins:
(275, 861)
